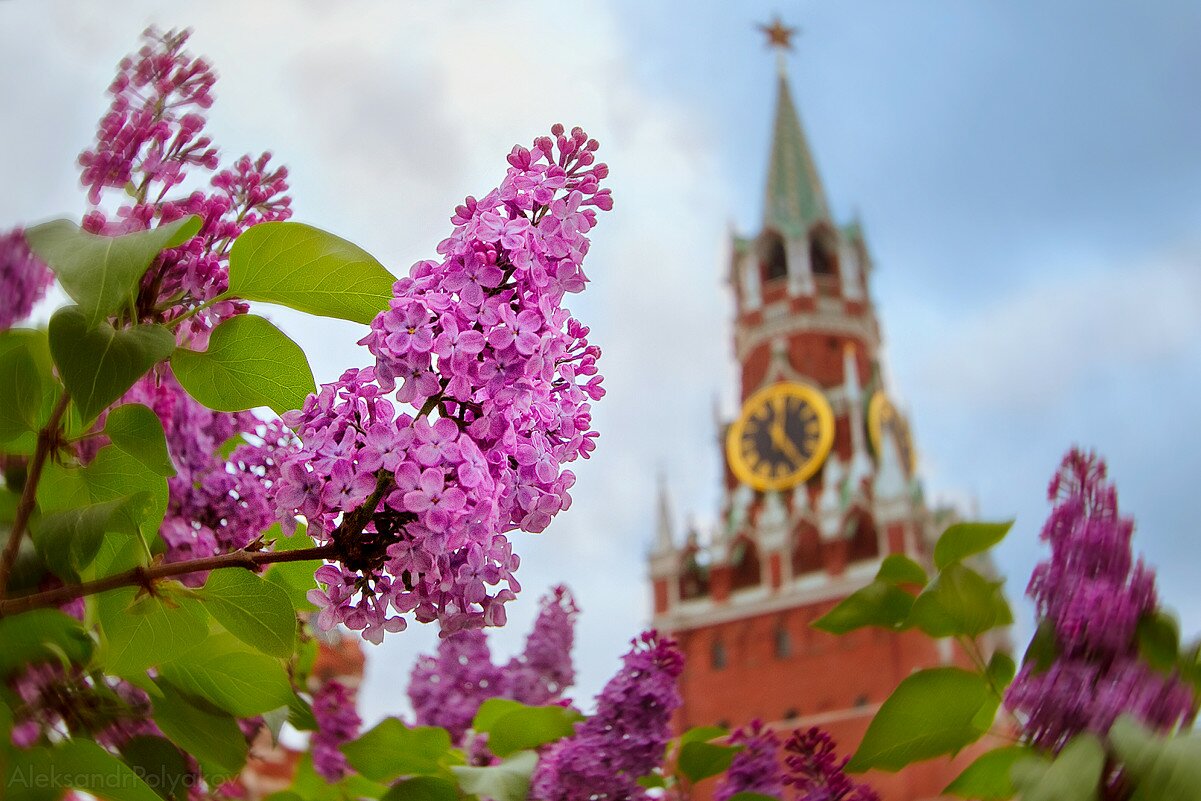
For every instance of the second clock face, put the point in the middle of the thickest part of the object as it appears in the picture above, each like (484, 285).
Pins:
(782, 436)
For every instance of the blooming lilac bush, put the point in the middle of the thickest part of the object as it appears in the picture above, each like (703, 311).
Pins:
(1104, 694)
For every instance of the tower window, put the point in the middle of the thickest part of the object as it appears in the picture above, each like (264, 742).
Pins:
(783, 643)
(823, 251)
(791, 713)
(717, 655)
(772, 256)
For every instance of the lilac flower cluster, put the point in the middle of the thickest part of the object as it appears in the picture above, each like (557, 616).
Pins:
(625, 739)
(24, 279)
(501, 377)
(1093, 594)
(756, 768)
(337, 723)
(543, 670)
(816, 771)
(216, 503)
(447, 689)
(53, 700)
(147, 143)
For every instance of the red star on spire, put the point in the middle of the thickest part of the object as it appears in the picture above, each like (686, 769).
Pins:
(779, 35)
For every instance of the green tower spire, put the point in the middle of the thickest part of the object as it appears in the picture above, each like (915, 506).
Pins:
(794, 199)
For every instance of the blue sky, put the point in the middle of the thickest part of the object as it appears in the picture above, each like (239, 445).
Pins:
(1028, 178)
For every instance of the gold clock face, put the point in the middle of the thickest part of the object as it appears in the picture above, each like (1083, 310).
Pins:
(883, 420)
(782, 436)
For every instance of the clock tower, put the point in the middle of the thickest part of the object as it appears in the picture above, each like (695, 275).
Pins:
(820, 484)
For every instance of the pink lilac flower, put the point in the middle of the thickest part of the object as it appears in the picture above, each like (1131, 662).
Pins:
(217, 503)
(815, 770)
(756, 768)
(147, 144)
(541, 673)
(1093, 594)
(447, 689)
(500, 379)
(337, 723)
(24, 279)
(53, 700)
(625, 739)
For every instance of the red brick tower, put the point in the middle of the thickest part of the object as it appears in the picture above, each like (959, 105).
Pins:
(819, 486)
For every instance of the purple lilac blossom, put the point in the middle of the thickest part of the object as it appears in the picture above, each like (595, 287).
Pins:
(146, 146)
(1093, 594)
(756, 768)
(625, 739)
(337, 723)
(217, 503)
(447, 689)
(815, 770)
(543, 670)
(24, 279)
(53, 700)
(500, 379)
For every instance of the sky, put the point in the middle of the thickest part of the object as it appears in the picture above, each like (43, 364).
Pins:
(1028, 178)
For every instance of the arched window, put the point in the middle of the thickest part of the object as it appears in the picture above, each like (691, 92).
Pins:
(717, 655)
(864, 544)
(744, 559)
(694, 576)
(772, 256)
(791, 713)
(806, 550)
(823, 251)
(783, 642)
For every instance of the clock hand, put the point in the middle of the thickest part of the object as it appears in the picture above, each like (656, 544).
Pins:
(782, 441)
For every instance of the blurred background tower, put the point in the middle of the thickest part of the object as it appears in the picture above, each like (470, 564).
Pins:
(820, 485)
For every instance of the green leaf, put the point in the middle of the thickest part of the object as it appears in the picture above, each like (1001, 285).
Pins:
(249, 363)
(68, 541)
(987, 779)
(960, 601)
(1073, 776)
(1162, 767)
(146, 631)
(1043, 650)
(1001, 669)
(965, 539)
(701, 760)
(300, 714)
(530, 727)
(84, 765)
(1158, 637)
(224, 672)
(114, 475)
(422, 788)
(41, 635)
(392, 749)
(880, 603)
(295, 578)
(492, 710)
(252, 609)
(898, 569)
(207, 733)
(21, 394)
(102, 273)
(136, 430)
(98, 364)
(309, 270)
(929, 714)
(508, 781)
(159, 764)
(702, 734)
